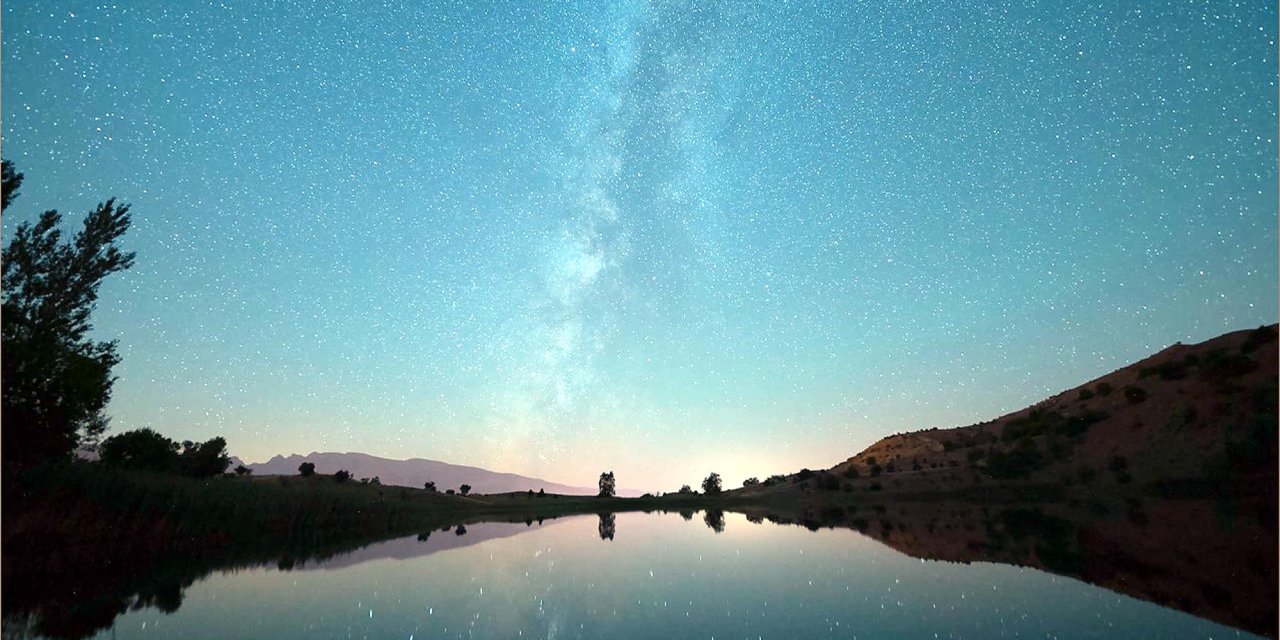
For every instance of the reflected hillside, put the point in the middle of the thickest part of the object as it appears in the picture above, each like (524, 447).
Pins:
(1199, 556)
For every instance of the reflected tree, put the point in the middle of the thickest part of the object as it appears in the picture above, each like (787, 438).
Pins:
(714, 518)
(608, 525)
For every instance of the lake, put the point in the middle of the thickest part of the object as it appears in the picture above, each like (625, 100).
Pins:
(691, 575)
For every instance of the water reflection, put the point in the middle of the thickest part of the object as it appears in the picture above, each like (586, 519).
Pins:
(714, 518)
(608, 525)
(1179, 554)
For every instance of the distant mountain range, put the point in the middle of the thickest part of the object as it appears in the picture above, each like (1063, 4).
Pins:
(415, 472)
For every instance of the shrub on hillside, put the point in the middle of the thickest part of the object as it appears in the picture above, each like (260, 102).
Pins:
(1135, 394)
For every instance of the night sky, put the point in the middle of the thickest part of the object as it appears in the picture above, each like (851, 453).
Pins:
(662, 239)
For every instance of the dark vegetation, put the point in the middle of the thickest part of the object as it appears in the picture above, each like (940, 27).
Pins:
(57, 380)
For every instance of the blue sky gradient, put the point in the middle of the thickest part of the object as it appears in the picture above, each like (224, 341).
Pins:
(658, 238)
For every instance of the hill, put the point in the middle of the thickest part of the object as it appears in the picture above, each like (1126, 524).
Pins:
(417, 471)
(1192, 419)
(1189, 411)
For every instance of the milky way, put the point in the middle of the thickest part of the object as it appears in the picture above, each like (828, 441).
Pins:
(658, 238)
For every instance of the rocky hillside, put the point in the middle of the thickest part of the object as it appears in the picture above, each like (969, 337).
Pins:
(1187, 419)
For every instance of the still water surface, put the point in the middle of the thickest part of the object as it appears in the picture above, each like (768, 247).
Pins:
(659, 576)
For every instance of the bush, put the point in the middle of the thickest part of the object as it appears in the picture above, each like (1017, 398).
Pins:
(1085, 394)
(431, 486)
(750, 482)
(307, 469)
(448, 492)
(242, 470)
(342, 475)
(852, 473)
(1135, 394)
(464, 489)
(1020, 462)
(1104, 389)
(804, 474)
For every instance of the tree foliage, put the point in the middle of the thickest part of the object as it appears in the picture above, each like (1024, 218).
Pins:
(307, 469)
(57, 381)
(140, 449)
(464, 489)
(608, 487)
(147, 450)
(711, 485)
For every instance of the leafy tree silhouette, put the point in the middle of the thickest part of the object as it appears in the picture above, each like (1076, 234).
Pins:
(607, 485)
(711, 485)
(56, 381)
(145, 449)
(307, 469)
(464, 489)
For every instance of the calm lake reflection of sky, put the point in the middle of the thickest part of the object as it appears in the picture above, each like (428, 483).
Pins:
(660, 577)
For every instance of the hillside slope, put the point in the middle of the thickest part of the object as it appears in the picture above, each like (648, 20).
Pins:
(1202, 412)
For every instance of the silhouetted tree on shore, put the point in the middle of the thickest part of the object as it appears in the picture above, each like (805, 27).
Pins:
(56, 380)
(607, 485)
(711, 485)
(464, 489)
(147, 450)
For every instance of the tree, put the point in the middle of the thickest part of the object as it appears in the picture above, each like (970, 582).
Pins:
(750, 482)
(307, 469)
(12, 180)
(242, 470)
(607, 485)
(448, 492)
(142, 449)
(145, 449)
(711, 485)
(342, 475)
(685, 489)
(56, 380)
(464, 489)
(202, 459)
(430, 486)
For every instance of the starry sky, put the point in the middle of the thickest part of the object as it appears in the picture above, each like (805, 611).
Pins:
(658, 238)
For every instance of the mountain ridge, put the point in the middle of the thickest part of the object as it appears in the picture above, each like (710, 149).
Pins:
(415, 472)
